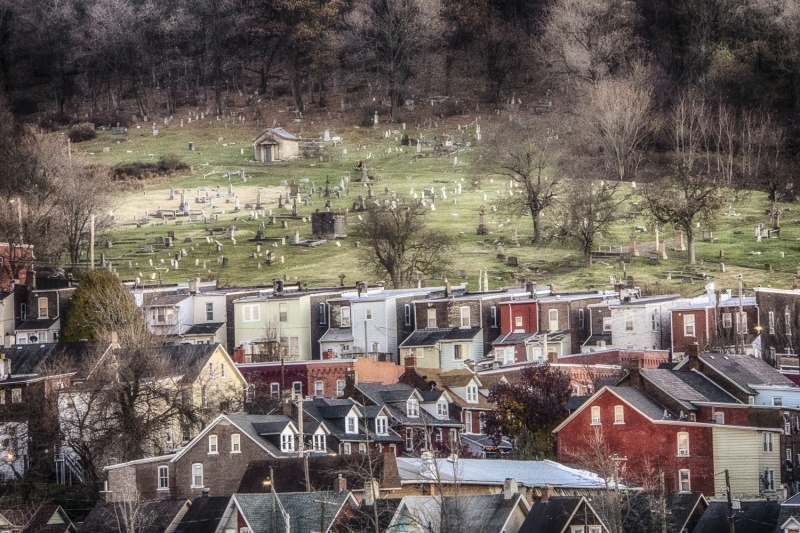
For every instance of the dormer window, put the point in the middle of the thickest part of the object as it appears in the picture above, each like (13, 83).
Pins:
(472, 393)
(352, 424)
(382, 425)
(442, 410)
(412, 408)
(287, 441)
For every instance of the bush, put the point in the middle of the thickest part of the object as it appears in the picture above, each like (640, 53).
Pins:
(171, 163)
(82, 132)
(53, 123)
(367, 116)
(451, 108)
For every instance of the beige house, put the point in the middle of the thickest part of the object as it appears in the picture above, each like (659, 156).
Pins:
(275, 144)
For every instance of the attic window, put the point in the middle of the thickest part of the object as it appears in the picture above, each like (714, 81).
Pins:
(442, 409)
(472, 393)
(412, 408)
(381, 425)
(352, 424)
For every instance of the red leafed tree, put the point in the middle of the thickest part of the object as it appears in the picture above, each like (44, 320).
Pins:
(528, 409)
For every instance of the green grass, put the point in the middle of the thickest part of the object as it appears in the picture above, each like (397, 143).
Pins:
(396, 170)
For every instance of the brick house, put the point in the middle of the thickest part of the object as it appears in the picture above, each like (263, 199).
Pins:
(778, 322)
(42, 315)
(16, 260)
(569, 312)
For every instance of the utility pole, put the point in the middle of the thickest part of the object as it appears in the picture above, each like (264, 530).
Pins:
(740, 322)
(730, 501)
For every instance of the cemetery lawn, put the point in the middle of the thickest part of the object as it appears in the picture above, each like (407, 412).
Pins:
(224, 147)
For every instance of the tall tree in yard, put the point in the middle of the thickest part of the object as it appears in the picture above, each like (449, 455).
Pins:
(398, 243)
(528, 409)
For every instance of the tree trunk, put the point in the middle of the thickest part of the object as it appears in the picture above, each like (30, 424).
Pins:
(537, 226)
(690, 244)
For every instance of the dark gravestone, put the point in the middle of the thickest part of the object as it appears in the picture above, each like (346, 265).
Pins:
(511, 260)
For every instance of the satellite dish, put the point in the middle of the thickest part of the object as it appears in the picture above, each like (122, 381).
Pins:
(34, 338)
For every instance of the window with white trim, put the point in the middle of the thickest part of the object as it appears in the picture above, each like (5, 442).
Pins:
(381, 425)
(518, 322)
(607, 323)
(347, 448)
(251, 313)
(472, 393)
(777, 401)
(236, 443)
(340, 385)
(683, 444)
(211, 370)
(163, 477)
(275, 390)
(552, 319)
(595, 415)
(468, 421)
(493, 316)
(438, 435)
(464, 311)
(629, 321)
(352, 424)
(719, 417)
(209, 311)
(431, 318)
(323, 313)
(362, 448)
(581, 318)
(459, 351)
(771, 322)
(212, 444)
(297, 389)
(319, 442)
(684, 481)
(442, 409)
(409, 439)
(727, 320)
(407, 314)
(319, 388)
(412, 408)
(619, 414)
(283, 311)
(287, 442)
(767, 441)
(344, 314)
(197, 475)
(769, 479)
(509, 355)
(688, 325)
(42, 302)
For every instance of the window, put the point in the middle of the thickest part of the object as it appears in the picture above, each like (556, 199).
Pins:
(493, 316)
(381, 425)
(340, 385)
(508, 355)
(197, 475)
(352, 424)
(251, 313)
(719, 418)
(654, 322)
(16, 395)
(412, 408)
(236, 443)
(518, 322)
(581, 319)
(431, 318)
(576, 529)
(319, 388)
(683, 444)
(619, 414)
(727, 320)
(409, 439)
(771, 323)
(345, 316)
(464, 316)
(212, 444)
(211, 370)
(42, 307)
(347, 448)
(407, 314)
(787, 319)
(368, 314)
(287, 442)
(283, 311)
(319, 442)
(692, 417)
(595, 529)
(472, 393)
(688, 325)
(767, 442)
(163, 477)
(222, 370)
(595, 415)
(23, 312)
(275, 390)
(684, 484)
(209, 311)
(362, 448)
(438, 435)
(769, 479)
(468, 421)
(606, 323)
(482, 422)
(741, 323)
(552, 319)
(297, 389)
(777, 401)
(788, 454)
(442, 409)
(629, 321)
(458, 352)
(323, 313)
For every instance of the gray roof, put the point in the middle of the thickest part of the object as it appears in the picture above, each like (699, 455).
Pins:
(333, 413)
(166, 300)
(512, 338)
(308, 510)
(31, 359)
(394, 398)
(258, 512)
(687, 387)
(203, 515)
(156, 516)
(283, 134)
(478, 512)
(550, 516)
(754, 517)
(37, 324)
(188, 359)
(337, 335)
(429, 337)
(207, 328)
(745, 370)
(250, 425)
(637, 302)
(640, 401)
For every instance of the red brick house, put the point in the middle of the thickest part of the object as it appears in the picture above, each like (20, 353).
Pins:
(693, 324)
(15, 262)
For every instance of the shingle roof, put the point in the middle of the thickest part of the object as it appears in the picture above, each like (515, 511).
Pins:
(156, 516)
(204, 329)
(550, 516)
(640, 401)
(35, 519)
(754, 517)
(337, 335)
(250, 425)
(363, 520)
(310, 510)
(37, 324)
(189, 359)
(576, 401)
(424, 337)
(164, 300)
(687, 387)
(262, 511)
(478, 512)
(745, 370)
(512, 338)
(30, 359)
(322, 471)
(333, 413)
(203, 515)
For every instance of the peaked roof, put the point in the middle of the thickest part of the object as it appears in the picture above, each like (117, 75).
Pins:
(275, 132)
(430, 337)
(203, 515)
(206, 328)
(550, 516)
(38, 519)
(30, 359)
(156, 516)
(687, 387)
(743, 370)
(479, 512)
(754, 517)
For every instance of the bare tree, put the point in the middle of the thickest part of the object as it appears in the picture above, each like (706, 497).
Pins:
(527, 156)
(691, 192)
(398, 243)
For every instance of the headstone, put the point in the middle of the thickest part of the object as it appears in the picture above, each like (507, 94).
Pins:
(634, 251)
(514, 238)
(482, 229)
(376, 118)
(297, 237)
(722, 267)
(191, 145)
(681, 245)
(662, 252)
(511, 261)
(327, 135)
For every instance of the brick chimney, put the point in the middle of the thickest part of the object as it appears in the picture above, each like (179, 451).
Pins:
(350, 382)
(205, 493)
(547, 493)
(693, 353)
(633, 371)
(448, 289)
(339, 484)
(510, 488)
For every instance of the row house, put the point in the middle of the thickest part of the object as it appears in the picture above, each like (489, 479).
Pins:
(370, 321)
(42, 315)
(422, 418)
(779, 323)
(632, 322)
(282, 323)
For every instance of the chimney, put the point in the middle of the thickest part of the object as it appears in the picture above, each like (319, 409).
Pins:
(552, 289)
(350, 380)
(5, 367)
(9, 340)
(339, 484)
(372, 491)
(530, 287)
(410, 362)
(205, 493)
(510, 488)
(277, 286)
(287, 407)
(633, 370)
(547, 493)
(693, 353)
(448, 289)
(194, 285)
